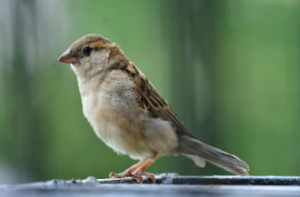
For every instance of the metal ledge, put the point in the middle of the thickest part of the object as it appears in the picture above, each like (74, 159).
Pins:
(167, 185)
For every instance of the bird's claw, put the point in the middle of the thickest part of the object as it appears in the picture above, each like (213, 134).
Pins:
(136, 174)
(114, 175)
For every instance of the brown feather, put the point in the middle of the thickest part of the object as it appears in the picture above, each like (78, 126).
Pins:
(150, 99)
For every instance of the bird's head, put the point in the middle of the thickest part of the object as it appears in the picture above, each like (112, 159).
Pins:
(91, 53)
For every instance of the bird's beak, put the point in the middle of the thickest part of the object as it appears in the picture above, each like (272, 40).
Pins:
(68, 57)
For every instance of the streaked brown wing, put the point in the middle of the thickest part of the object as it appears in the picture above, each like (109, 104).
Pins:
(150, 99)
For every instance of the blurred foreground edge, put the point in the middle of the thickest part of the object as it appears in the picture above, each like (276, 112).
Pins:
(165, 178)
(167, 184)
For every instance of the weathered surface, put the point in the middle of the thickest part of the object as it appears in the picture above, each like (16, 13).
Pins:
(236, 180)
(167, 185)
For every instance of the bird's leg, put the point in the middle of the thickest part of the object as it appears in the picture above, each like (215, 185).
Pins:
(128, 172)
(137, 170)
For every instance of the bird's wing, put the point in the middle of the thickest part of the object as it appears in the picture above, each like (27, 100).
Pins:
(149, 98)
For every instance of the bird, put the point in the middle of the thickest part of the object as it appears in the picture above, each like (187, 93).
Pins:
(129, 115)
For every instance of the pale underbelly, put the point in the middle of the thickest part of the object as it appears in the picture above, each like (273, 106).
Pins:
(129, 129)
(123, 141)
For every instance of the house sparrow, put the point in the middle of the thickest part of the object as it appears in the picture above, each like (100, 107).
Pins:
(129, 115)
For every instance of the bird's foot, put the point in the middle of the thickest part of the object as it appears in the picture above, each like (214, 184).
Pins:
(137, 170)
(124, 174)
(136, 174)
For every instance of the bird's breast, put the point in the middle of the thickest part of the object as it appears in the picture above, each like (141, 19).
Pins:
(117, 119)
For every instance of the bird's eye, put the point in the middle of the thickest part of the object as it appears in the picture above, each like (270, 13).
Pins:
(87, 50)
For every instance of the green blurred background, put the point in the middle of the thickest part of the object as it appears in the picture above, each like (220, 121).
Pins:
(229, 68)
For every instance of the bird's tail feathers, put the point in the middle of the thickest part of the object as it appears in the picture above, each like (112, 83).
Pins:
(201, 152)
